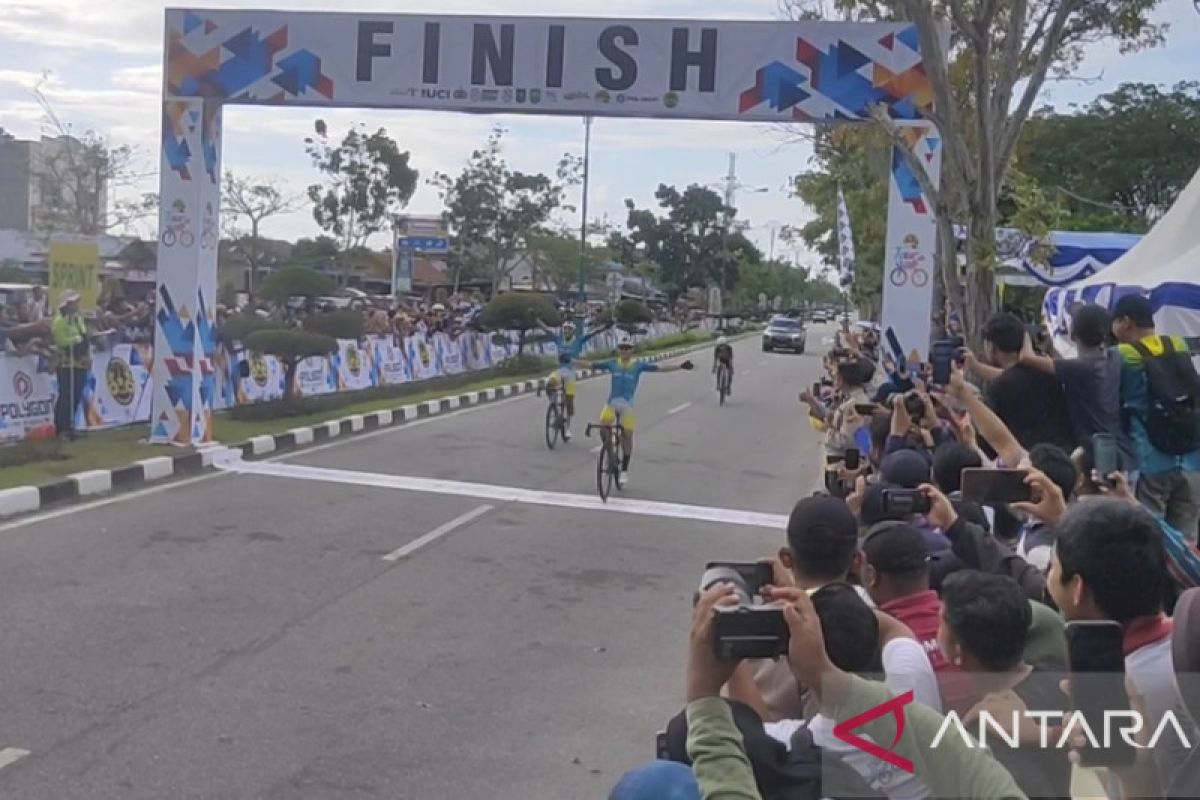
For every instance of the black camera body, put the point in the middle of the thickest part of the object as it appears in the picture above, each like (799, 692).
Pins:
(905, 502)
(749, 629)
(914, 405)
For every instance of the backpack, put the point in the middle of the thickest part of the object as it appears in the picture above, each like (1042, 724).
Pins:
(1173, 418)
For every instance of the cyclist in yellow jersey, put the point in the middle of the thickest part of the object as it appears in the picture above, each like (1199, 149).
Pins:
(626, 371)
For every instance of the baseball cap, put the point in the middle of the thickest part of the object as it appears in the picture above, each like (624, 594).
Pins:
(906, 468)
(1136, 308)
(896, 549)
(658, 780)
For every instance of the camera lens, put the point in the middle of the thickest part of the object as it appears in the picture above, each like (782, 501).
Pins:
(715, 575)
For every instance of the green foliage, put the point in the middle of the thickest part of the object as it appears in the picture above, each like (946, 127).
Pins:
(519, 311)
(237, 327)
(227, 295)
(366, 180)
(1120, 161)
(11, 272)
(695, 243)
(632, 312)
(290, 346)
(296, 282)
(556, 257)
(341, 324)
(493, 212)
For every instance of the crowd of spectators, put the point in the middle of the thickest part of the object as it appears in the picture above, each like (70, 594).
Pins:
(908, 578)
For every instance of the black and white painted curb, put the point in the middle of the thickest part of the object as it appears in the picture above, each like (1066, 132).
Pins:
(27, 499)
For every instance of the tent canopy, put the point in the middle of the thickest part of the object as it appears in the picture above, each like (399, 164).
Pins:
(1164, 265)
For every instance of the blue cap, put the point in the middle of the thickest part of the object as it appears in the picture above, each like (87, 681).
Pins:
(658, 780)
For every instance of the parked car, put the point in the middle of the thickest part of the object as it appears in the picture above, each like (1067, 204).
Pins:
(784, 333)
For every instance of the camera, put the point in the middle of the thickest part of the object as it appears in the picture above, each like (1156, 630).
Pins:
(914, 405)
(905, 502)
(748, 629)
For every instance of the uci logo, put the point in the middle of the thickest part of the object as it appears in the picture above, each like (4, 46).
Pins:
(119, 378)
(22, 385)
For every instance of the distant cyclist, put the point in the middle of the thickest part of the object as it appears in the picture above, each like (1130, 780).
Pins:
(626, 371)
(723, 354)
(570, 345)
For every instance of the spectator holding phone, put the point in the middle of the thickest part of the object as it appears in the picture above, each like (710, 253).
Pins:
(1029, 401)
(1109, 564)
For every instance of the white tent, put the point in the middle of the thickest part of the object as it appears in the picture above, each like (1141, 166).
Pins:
(1164, 265)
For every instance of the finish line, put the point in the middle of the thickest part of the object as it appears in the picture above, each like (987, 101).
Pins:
(502, 494)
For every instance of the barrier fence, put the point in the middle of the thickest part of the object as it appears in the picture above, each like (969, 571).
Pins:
(118, 387)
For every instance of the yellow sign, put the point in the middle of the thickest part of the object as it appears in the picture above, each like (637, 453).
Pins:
(74, 268)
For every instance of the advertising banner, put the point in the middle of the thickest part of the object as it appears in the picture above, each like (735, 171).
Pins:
(265, 382)
(449, 354)
(353, 366)
(116, 392)
(766, 71)
(74, 267)
(391, 367)
(911, 244)
(27, 393)
(315, 376)
(420, 356)
(479, 352)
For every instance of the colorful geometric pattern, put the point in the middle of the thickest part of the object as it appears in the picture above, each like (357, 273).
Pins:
(231, 67)
(846, 259)
(840, 81)
(918, 141)
(175, 146)
(180, 334)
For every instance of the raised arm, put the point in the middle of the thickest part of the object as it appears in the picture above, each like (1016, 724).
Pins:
(1030, 358)
(989, 426)
(985, 371)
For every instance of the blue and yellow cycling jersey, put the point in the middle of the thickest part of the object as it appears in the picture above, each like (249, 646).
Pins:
(625, 376)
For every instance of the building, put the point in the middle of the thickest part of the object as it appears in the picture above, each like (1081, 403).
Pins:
(55, 183)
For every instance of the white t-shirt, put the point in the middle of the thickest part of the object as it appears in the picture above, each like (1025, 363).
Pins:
(905, 667)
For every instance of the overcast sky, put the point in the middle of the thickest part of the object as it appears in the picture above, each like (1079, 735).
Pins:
(103, 57)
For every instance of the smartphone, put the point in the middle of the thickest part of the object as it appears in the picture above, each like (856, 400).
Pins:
(865, 409)
(851, 458)
(662, 750)
(995, 486)
(905, 501)
(1097, 665)
(1106, 459)
(941, 355)
(816, 389)
(755, 574)
(833, 484)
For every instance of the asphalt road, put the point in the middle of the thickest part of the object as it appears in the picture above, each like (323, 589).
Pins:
(246, 636)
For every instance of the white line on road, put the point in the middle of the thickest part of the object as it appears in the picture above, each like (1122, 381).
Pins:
(505, 494)
(677, 409)
(11, 755)
(437, 533)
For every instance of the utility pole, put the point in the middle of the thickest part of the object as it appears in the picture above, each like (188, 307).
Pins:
(583, 224)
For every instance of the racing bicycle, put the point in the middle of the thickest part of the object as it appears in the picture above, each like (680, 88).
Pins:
(556, 414)
(724, 379)
(612, 452)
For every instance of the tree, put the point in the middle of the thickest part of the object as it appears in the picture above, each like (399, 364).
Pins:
(1119, 162)
(346, 323)
(290, 346)
(555, 255)
(296, 282)
(11, 272)
(252, 200)
(77, 177)
(314, 253)
(493, 212)
(691, 243)
(366, 178)
(984, 89)
(521, 312)
(628, 315)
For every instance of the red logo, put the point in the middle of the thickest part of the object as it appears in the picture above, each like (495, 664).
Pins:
(894, 707)
(22, 385)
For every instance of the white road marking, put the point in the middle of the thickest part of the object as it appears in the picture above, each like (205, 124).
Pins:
(596, 449)
(437, 533)
(677, 409)
(11, 755)
(506, 494)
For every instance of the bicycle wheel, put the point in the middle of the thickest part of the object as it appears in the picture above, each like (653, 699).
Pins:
(722, 383)
(604, 473)
(553, 425)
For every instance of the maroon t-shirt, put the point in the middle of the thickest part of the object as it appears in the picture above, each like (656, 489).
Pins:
(921, 613)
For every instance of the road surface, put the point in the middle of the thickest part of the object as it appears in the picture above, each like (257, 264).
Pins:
(327, 627)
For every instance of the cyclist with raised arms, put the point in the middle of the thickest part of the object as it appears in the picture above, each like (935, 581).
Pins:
(626, 371)
(723, 354)
(570, 345)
